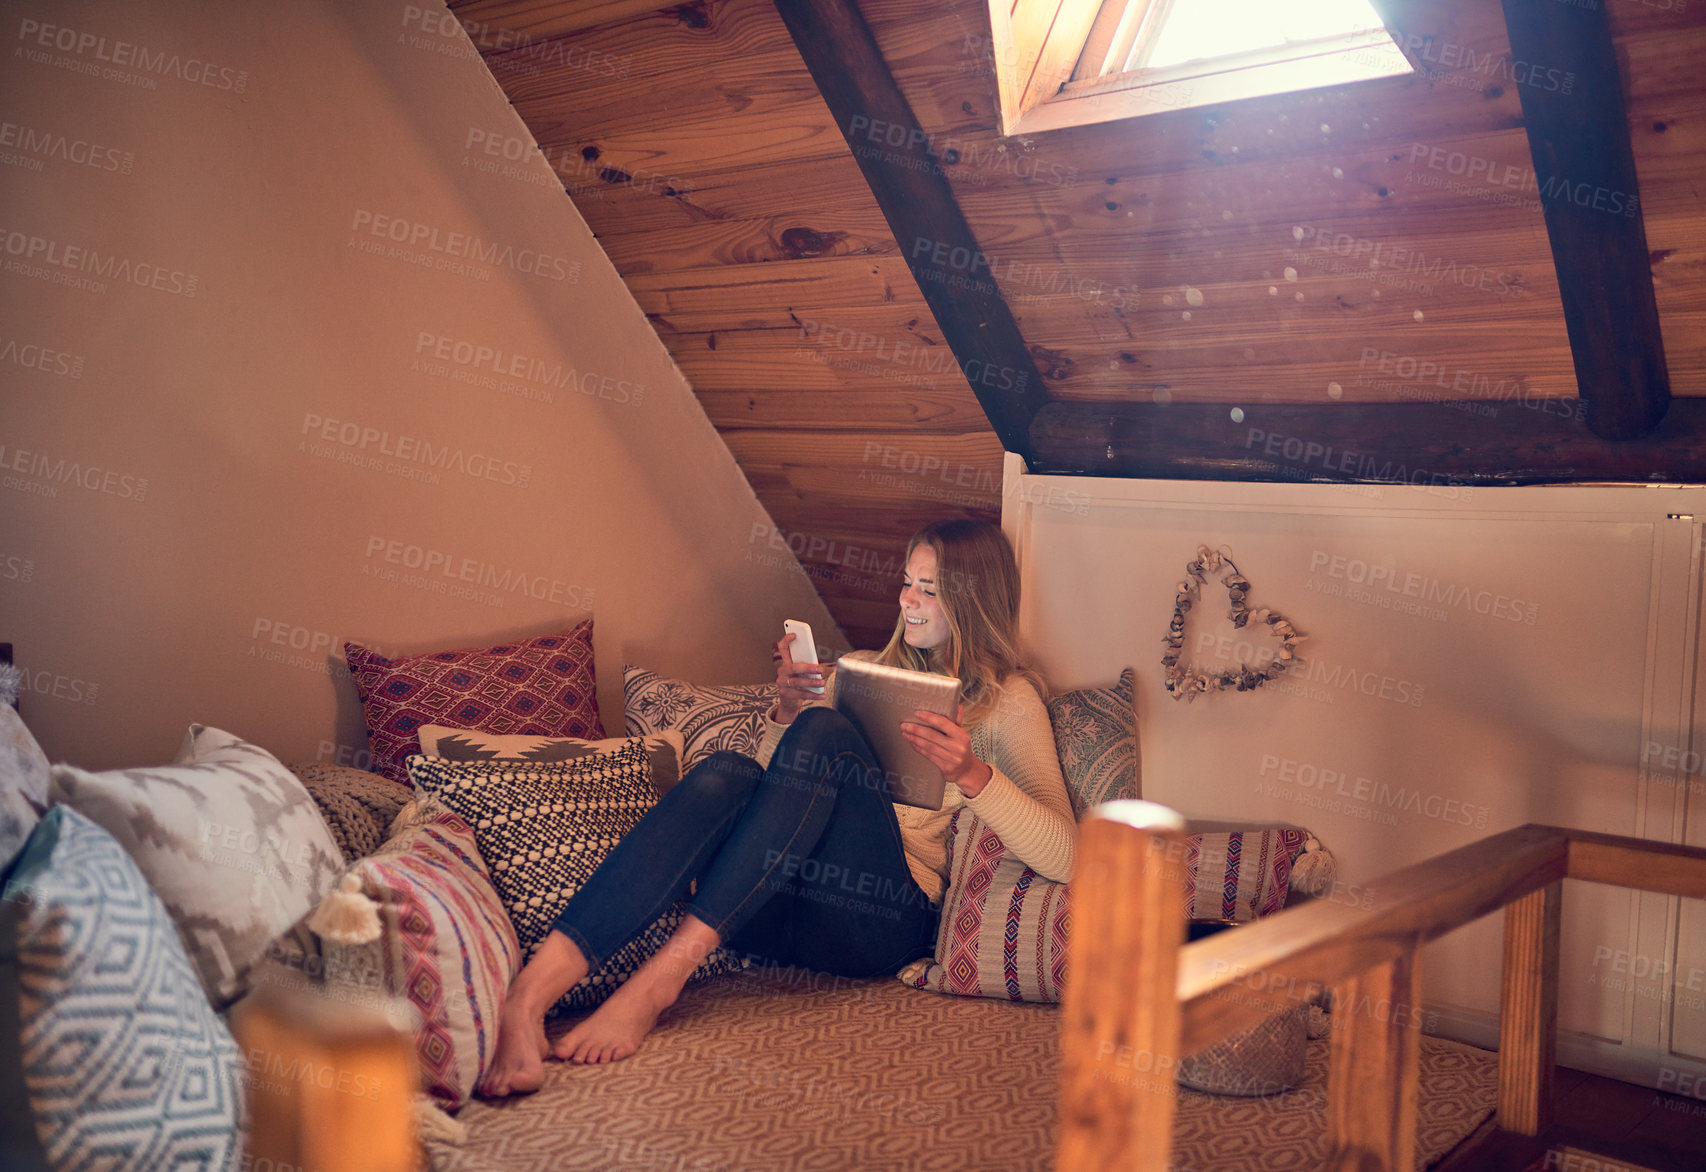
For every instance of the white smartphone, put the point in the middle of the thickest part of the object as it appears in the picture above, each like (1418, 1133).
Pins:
(803, 649)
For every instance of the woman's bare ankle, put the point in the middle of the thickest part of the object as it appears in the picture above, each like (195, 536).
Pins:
(556, 967)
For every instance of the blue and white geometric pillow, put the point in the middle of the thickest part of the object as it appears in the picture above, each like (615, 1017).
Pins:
(126, 1064)
(23, 784)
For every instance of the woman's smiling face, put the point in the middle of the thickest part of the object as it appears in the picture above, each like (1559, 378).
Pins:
(926, 625)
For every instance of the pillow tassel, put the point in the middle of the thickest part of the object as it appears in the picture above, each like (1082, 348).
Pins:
(435, 1125)
(346, 915)
(1315, 869)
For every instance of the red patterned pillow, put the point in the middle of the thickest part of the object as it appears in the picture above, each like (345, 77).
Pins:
(1242, 875)
(1003, 929)
(534, 687)
(445, 945)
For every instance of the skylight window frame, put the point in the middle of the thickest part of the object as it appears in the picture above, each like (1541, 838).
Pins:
(1086, 99)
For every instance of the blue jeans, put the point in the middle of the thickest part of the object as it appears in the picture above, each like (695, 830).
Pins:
(800, 863)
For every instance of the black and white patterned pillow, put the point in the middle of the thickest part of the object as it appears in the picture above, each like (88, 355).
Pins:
(125, 1062)
(1095, 733)
(543, 827)
(709, 717)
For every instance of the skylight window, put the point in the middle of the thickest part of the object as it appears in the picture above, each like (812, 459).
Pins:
(1075, 62)
(1202, 32)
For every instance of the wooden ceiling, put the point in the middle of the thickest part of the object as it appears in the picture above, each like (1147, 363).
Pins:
(1379, 244)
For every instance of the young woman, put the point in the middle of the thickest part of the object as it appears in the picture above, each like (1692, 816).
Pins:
(798, 857)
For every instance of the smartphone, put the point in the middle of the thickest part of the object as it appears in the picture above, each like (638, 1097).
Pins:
(804, 648)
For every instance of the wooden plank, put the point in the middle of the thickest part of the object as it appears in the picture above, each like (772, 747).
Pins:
(1111, 37)
(732, 67)
(538, 19)
(1373, 1067)
(1119, 1027)
(1230, 982)
(1059, 50)
(1528, 1011)
(1663, 867)
(1414, 443)
(898, 319)
(561, 51)
(878, 511)
(1586, 171)
(817, 193)
(768, 239)
(905, 410)
(807, 369)
(821, 353)
(810, 286)
(1079, 221)
(678, 151)
(853, 450)
(892, 150)
(1026, 41)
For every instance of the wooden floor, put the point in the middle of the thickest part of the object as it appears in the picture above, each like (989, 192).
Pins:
(1637, 1127)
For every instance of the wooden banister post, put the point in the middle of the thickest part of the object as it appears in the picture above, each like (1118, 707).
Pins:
(1373, 1069)
(331, 1085)
(1120, 1009)
(1528, 1011)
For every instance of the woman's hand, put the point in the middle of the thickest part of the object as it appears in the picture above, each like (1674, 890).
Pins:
(947, 745)
(797, 684)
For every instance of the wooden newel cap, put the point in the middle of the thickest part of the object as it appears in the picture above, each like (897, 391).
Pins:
(1147, 816)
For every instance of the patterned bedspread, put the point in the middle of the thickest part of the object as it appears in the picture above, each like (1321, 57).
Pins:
(790, 1070)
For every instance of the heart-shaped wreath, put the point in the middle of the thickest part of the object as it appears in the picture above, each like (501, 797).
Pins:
(1185, 681)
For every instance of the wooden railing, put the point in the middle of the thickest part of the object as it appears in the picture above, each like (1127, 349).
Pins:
(1138, 999)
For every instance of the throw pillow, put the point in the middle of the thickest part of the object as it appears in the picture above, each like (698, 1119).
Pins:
(663, 749)
(543, 828)
(23, 783)
(1003, 929)
(357, 805)
(228, 838)
(1095, 733)
(126, 1064)
(1242, 875)
(538, 687)
(709, 717)
(20, 1146)
(445, 944)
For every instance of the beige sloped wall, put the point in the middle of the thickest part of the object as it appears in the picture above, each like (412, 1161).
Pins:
(326, 358)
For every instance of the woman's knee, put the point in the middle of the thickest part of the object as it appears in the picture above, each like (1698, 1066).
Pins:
(723, 778)
(827, 731)
(822, 720)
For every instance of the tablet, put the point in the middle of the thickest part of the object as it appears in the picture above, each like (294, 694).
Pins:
(876, 698)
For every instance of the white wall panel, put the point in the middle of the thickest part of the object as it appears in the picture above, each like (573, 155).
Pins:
(1477, 659)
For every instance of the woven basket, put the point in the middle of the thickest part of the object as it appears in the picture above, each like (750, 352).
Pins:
(1263, 1060)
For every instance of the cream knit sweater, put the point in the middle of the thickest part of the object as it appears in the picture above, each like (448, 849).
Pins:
(1025, 801)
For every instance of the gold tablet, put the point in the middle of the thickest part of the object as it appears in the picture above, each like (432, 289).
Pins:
(876, 698)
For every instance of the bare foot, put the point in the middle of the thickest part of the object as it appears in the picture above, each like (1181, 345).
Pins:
(518, 1062)
(616, 1028)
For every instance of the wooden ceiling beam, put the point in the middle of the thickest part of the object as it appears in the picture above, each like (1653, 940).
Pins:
(1436, 445)
(894, 154)
(1564, 66)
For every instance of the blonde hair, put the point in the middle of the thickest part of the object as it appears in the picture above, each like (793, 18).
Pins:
(977, 586)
